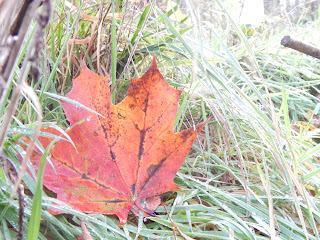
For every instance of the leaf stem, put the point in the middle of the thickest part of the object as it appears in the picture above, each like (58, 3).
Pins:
(147, 211)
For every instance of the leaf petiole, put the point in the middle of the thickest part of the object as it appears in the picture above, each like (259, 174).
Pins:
(147, 211)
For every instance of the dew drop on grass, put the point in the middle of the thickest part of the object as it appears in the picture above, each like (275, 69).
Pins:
(225, 207)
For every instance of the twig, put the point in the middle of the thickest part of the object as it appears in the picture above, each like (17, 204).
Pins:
(15, 42)
(287, 41)
(12, 173)
(175, 227)
(21, 211)
(16, 26)
(32, 56)
(85, 233)
(29, 150)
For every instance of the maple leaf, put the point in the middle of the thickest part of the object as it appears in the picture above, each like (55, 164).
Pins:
(129, 154)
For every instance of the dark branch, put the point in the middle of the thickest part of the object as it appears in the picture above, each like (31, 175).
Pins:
(16, 26)
(21, 211)
(14, 43)
(287, 41)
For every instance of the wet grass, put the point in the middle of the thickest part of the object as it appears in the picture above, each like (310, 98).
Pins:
(253, 172)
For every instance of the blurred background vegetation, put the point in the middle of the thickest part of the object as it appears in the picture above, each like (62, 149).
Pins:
(253, 173)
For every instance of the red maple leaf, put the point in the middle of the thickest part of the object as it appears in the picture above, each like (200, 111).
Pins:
(129, 154)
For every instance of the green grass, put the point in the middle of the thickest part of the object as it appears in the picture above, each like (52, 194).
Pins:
(249, 175)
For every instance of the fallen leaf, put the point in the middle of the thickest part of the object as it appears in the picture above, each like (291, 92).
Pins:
(129, 154)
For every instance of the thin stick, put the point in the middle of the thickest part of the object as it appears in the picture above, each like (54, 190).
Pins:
(175, 227)
(85, 232)
(32, 55)
(21, 211)
(29, 150)
(15, 44)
